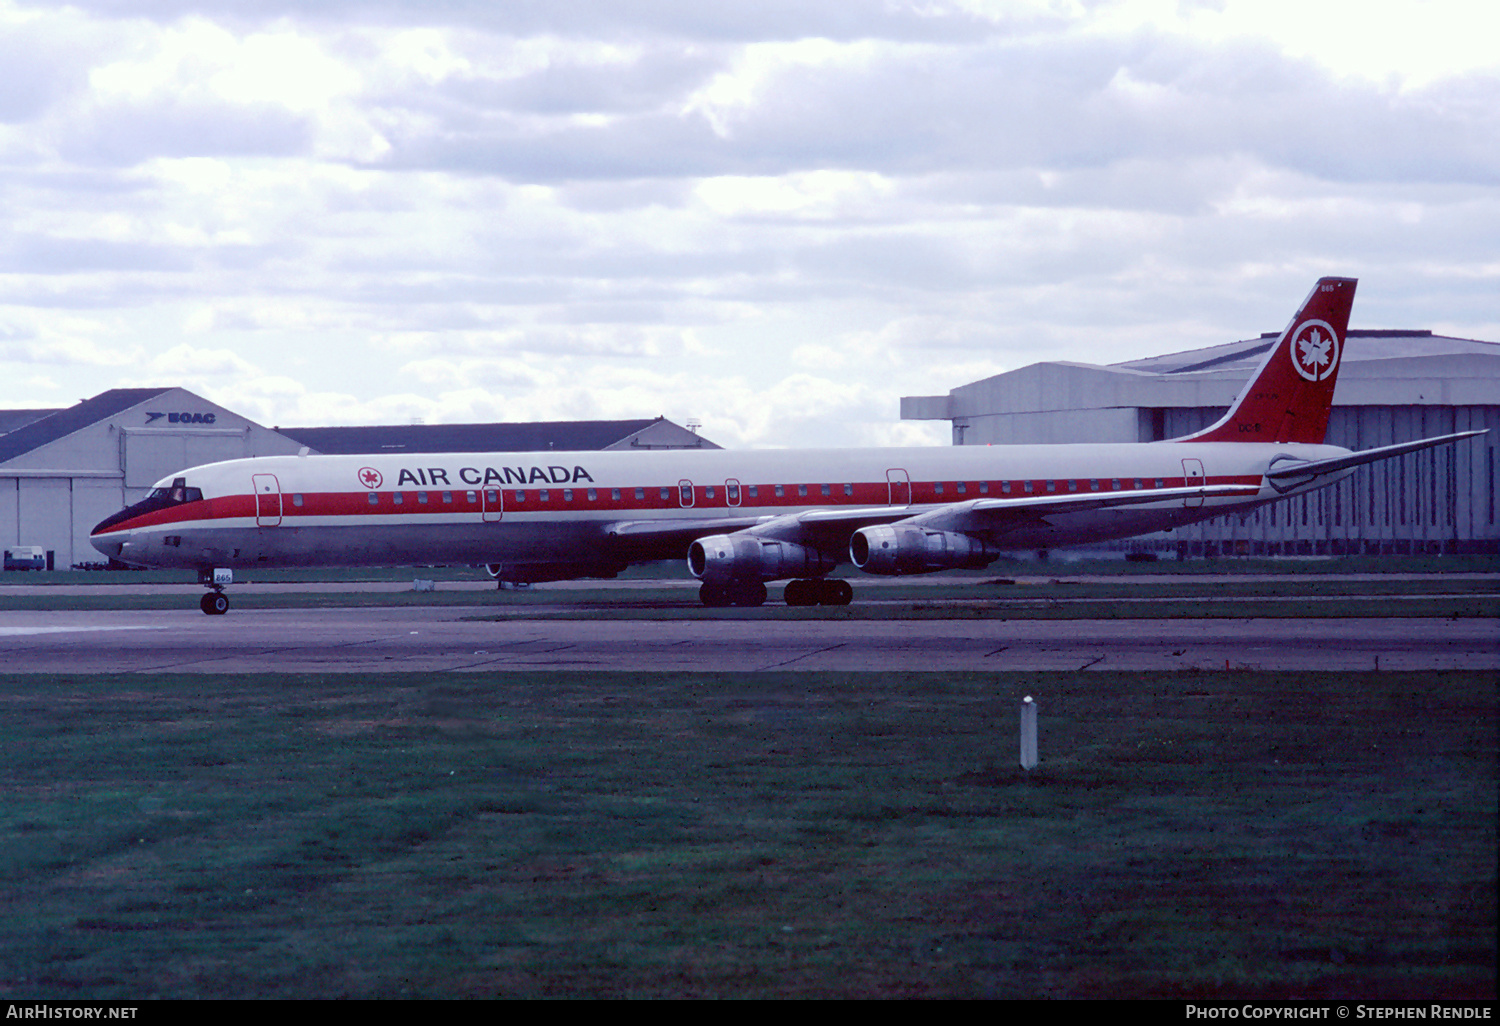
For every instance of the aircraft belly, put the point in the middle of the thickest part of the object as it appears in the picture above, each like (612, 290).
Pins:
(388, 545)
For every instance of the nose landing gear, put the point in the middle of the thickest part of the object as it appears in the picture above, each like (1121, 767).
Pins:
(215, 603)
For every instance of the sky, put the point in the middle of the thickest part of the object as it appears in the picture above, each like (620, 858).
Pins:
(772, 218)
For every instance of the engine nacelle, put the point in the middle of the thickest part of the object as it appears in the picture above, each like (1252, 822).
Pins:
(894, 550)
(740, 558)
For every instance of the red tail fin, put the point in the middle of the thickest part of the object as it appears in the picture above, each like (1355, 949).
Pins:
(1290, 395)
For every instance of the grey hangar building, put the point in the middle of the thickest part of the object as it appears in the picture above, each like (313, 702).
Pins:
(1394, 386)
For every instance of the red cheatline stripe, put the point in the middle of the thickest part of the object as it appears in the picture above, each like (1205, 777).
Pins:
(345, 504)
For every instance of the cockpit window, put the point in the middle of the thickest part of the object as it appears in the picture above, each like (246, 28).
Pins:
(177, 492)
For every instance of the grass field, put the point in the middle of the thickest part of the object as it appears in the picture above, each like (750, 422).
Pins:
(1219, 835)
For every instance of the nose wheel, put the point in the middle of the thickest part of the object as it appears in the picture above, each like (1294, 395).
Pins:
(215, 603)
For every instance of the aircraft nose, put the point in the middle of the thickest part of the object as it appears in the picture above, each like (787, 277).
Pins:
(108, 545)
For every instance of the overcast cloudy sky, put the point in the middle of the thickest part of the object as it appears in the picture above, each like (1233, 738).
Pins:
(776, 217)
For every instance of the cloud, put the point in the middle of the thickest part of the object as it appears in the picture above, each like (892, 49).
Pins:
(777, 218)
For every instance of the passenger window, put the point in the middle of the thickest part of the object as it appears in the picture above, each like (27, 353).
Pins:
(614, 495)
(732, 493)
(374, 498)
(1138, 483)
(937, 489)
(567, 495)
(593, 495)
(825, 490)
(296, 498)
(1093, 484)
(1051, 486)
(780, 491)
(473, 497)
(802, 489)
(666, 495)
(963, 489)
(447, 496)
(1004, 487)
(396, 498)
(421, 498)
(848, 489)
(752, 490)
(984, 488)
(708, 491)
(492, 496)
(543, 495)
(1160, 483)
(520, 496)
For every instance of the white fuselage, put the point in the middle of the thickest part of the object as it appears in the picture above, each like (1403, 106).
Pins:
(575, 511)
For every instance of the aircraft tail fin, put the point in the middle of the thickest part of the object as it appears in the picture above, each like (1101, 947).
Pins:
(1289, 397)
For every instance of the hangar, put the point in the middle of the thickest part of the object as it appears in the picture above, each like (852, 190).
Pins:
(63, 471)
(1394, 386)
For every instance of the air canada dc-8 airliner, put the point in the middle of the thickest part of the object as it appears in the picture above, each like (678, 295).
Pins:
(743, 519)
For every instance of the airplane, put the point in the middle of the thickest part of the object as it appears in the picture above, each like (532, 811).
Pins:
(745, 518)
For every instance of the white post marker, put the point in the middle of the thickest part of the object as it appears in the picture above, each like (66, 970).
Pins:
(1028, 733)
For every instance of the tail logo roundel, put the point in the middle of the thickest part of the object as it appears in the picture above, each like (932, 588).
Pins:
(1315, 350)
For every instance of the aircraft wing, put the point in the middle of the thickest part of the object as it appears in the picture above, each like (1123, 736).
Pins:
(641, 540)
(1355, 459)
(663, 539)
(1000, 514)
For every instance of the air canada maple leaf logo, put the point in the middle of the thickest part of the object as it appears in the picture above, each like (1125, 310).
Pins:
(1315, 350)
(370, 477)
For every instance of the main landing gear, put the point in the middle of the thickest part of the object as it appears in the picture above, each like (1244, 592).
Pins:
(215, 603)
(819, 591)
(717, 597)
(805, 592)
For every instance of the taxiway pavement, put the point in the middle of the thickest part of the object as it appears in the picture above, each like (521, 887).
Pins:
(377, 640)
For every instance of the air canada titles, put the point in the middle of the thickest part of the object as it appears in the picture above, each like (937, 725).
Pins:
(487, 476)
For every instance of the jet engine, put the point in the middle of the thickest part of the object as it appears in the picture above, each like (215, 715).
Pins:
(724, 560)
(896, 549)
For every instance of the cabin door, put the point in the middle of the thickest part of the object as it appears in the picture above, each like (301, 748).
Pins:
(492, 504)
(267, 500)
(898, 486)
(1192, 477)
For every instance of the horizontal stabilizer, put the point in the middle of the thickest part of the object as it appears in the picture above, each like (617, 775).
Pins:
(1355, 459)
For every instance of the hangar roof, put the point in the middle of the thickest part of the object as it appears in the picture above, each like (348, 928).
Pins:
(32, 429)
(60, 423)
(1380, 368)
(562, 436)
(12, 419)
(1371, 344)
